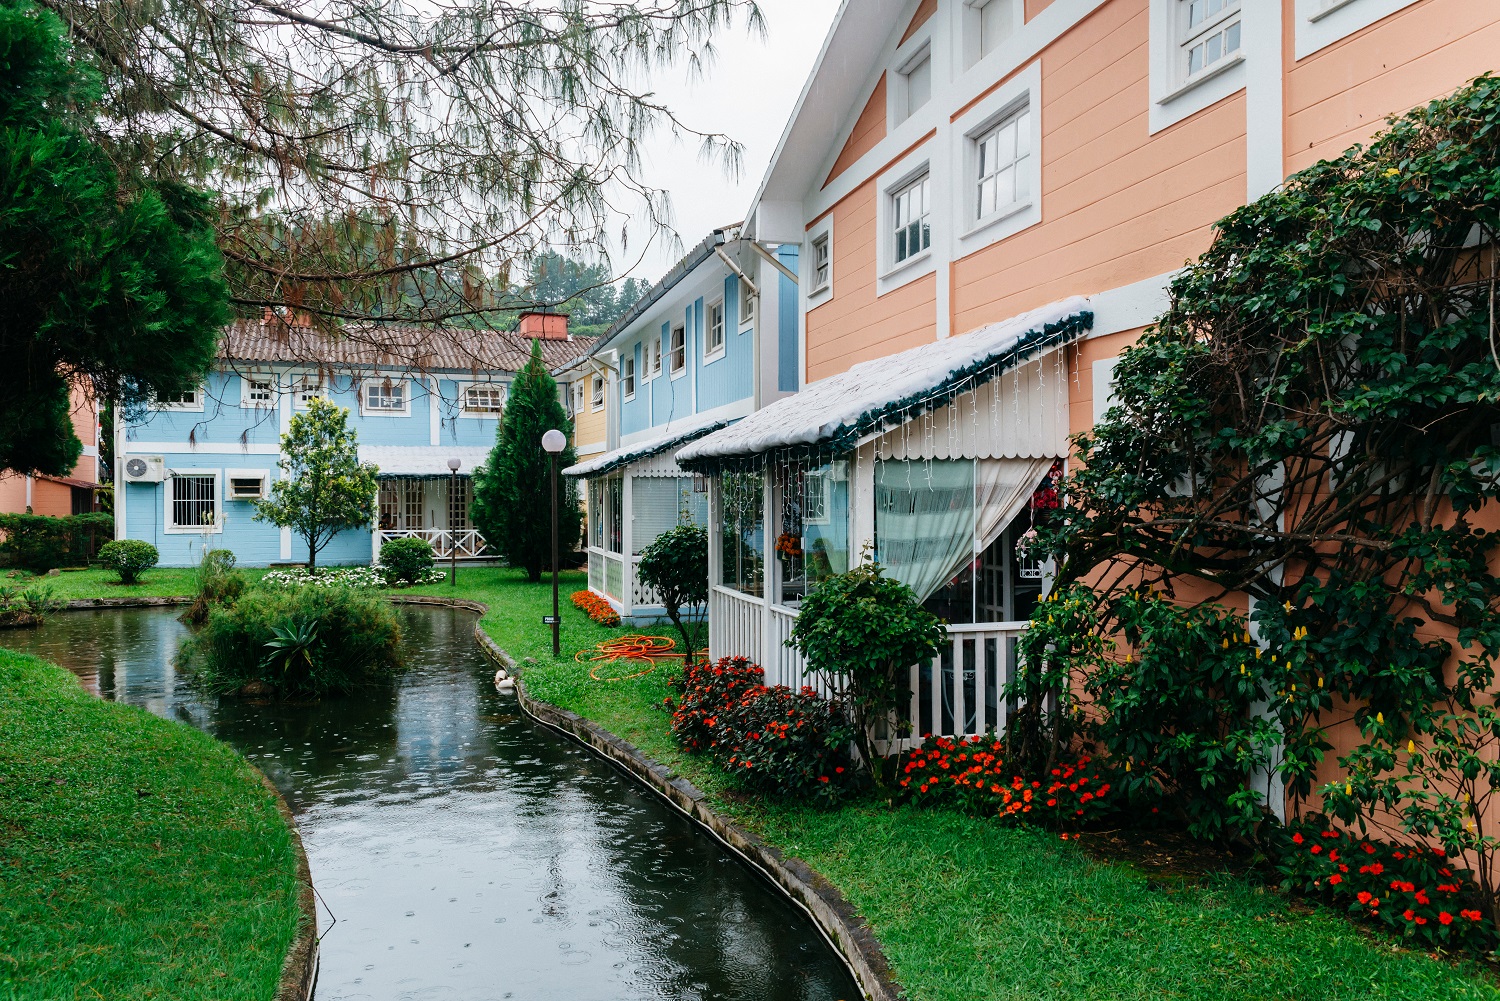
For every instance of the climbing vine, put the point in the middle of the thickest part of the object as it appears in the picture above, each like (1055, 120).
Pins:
(1286, 517)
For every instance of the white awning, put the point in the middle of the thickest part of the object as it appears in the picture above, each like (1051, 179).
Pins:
(673, 435)
(422, 461)
(836, 412)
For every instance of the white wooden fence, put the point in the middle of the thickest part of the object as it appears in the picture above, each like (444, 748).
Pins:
(470, 543)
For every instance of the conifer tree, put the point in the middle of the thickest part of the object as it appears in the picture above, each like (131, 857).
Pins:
(512, 493)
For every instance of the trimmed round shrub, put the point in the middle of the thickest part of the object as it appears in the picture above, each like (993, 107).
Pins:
(129, 558)
(306, 642)
(405, 561)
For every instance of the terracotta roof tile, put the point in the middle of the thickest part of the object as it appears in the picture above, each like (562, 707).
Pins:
(418, 349)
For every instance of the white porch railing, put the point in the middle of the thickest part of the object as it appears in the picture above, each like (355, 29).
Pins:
(960, 693)
(469, 543)
(641, 596)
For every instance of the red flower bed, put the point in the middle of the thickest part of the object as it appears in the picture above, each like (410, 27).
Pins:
(1412, 889)
(775, 741)
(596, 608)
(971, 774)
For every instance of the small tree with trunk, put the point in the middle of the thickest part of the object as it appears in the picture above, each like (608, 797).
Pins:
(675, 565)
(512, 490)
(324, 489)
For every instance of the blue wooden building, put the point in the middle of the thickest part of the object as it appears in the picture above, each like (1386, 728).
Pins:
(713, 341)
(189, 469)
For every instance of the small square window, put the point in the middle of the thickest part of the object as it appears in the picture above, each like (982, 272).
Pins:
(306, 389)
(679, 350)
(259, 393)
(385, 396)
(822, 264)
(714, 341)
(912, 217)
(627, 376)
(247, 487)
(484, 398)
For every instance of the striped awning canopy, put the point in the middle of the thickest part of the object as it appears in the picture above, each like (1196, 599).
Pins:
(422, 461)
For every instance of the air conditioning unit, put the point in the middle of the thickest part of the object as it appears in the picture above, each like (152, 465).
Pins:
(145, 469)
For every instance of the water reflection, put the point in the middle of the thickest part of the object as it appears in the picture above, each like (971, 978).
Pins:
(466, 852)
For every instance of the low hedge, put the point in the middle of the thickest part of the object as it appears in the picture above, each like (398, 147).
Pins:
(41, 542)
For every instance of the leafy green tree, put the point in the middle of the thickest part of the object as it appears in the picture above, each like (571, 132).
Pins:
(512, 492)
(108, 280)
(324, 489)
(862, 631)
(675, 565)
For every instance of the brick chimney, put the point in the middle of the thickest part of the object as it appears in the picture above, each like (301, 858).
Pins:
(544, 326)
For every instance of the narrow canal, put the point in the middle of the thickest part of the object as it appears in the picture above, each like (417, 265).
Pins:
(465, 851)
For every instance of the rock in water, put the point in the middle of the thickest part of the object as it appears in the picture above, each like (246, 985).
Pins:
(257, 689)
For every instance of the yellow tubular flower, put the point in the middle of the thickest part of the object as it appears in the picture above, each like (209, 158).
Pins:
(1380, 718)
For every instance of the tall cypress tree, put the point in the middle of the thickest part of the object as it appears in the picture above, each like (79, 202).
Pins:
(512, 493)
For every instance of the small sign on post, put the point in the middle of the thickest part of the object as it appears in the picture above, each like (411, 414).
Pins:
(551, 620)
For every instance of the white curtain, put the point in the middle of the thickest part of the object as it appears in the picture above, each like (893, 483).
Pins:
(1004, 487)
(924, 520)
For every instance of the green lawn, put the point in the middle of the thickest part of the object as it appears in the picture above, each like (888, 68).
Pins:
(139, 858)
(969, 909)
(162, 582)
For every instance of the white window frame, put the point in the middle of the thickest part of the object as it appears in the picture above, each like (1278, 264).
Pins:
(305, 387)
(196, 406)
(1214, 25)
(627, 376)
(171, 528)
(230, 475)
(463, 400)
(677, 355)
(366, 410)
(652, 352)
(817, 294)
(712, 351)
(596, 393)
(1174, 96)
(747, 304)
(1320, 23)
(250, 379)
(898, 92)
(1022, 92)
(889, 273)
(971, 25)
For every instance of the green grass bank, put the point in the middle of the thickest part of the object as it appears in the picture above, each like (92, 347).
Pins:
(966, 908)
(139, 858)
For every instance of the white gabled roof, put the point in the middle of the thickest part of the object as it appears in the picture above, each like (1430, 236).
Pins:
(674, 434)
(836, 411)
(421, 461)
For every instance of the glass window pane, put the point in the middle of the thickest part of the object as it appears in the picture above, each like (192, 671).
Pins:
(742, 532)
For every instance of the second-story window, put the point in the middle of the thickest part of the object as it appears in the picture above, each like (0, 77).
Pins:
(190, 400)
(259, 392)
(678, 359)
(1003, 176)
(653, 356)
(912, 215)
(627, 375)
(305, 389)
(384, 396)
(484, 398)
(1209, 33)
(747, 305)
(597, 399)
(822, 263)
(714, 341)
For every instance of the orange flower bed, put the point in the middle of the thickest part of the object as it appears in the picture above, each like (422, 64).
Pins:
(596, 608)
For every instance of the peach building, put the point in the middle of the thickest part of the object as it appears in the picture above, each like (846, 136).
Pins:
(60, 495)
(1002, 190)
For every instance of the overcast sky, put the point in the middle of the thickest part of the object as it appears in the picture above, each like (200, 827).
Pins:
(748, 93)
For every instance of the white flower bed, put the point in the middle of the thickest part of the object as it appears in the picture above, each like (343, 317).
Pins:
(355, 577)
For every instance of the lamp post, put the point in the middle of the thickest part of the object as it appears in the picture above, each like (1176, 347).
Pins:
(453, 465)
(554, 442)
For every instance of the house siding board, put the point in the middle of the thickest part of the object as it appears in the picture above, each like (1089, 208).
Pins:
(1339, 96)
(924, 13)
(869, 129)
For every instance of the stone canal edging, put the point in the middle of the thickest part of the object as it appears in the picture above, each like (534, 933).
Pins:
(840, 923)
(299, 968)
